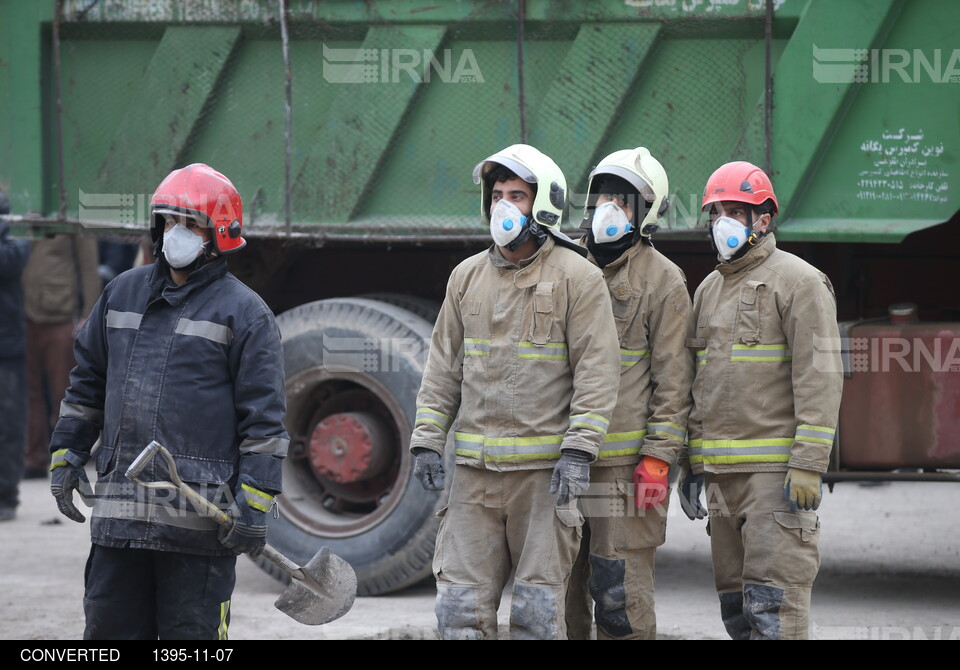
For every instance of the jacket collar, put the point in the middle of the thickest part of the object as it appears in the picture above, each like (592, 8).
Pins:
(751, 259)
(528, 273)
(162, 286)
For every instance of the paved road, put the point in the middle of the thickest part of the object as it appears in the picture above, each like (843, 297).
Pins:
(890, 570)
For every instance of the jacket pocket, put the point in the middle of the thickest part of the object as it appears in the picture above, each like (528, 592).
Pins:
(748, 313)
(204, 470)
(106, 459)
(543, 301)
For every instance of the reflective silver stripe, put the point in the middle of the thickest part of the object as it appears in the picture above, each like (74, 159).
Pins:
(671, 429)
(702, 357)
(622, 444)
(117, 319)
(427, 415)
(760, 352)
(205, 329)
(769, 449)
(629, 358)
(166, 515)
(552, 351)
(591, 421)
(816, 433)
(534, 449)
(475, 347)
(270, 445)
(505, 449)
(469, 445)
(71, 411)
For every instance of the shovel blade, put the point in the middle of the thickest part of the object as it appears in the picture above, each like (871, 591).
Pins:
(325, 594)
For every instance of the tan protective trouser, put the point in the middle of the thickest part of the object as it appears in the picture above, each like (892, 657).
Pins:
(614, 572)
(765, 556)
(496, 521)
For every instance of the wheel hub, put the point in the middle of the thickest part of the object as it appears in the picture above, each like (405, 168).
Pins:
(350, 447)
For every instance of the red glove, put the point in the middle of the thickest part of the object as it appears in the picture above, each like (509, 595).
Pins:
(650, 482)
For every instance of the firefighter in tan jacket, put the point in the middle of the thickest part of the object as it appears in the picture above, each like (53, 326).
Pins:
(766, 402)
(626, 196)
(522, 371)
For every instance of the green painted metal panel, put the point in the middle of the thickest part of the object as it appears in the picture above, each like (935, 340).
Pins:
(163, 112)
(393, 154)
(22, 114)
(893, 160)
(591, 85)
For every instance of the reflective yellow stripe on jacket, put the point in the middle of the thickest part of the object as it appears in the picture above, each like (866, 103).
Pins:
(508, 449)
(729, 452)
(427, 415)
(622, 444)
(760, 353)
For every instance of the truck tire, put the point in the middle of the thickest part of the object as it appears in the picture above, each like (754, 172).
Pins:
(422, 307)
(353, 368)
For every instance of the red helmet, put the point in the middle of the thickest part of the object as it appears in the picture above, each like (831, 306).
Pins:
(739, 181)
(211, 199)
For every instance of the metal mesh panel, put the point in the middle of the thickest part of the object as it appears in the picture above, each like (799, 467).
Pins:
(389, 116)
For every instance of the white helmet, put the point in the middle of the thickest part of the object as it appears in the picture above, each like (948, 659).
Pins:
(644, 173)
(533, 167)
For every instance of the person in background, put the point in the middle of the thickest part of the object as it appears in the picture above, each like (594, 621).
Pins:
(13, 369)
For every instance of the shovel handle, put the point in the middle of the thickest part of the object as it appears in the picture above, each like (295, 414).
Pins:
(200, 503)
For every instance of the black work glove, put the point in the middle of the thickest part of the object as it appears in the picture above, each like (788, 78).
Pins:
(66, 476)
(248, 535)
(428, 469)
(690, 487)
(571, 475)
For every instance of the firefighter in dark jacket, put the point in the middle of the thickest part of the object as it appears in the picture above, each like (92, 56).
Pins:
(183, 353)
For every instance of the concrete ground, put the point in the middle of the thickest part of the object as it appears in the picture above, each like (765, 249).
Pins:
(890, 570)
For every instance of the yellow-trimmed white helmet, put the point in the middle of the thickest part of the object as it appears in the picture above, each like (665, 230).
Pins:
(533, 167)
(643, 172)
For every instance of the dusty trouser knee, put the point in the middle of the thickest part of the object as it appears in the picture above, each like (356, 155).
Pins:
(623, 605)
(537, 612)
(462, 613)
(731, 612)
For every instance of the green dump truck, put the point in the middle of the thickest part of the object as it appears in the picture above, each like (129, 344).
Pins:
(351, 130)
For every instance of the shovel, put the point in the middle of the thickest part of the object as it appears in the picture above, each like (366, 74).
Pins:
(319, 592)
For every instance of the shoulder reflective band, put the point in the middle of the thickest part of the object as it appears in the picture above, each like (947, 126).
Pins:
(622, 444)
(508, 449)
(732, 452)
(630, 357)
(257, 499)
(761, 353)
(702, 357)
(427, 415)
(591, 421)
(473, 347)
(819, 434)
(671, 429)
(552, 351)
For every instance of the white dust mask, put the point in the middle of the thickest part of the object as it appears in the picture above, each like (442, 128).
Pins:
(729, 235)
(610, 223)
(506, 222)
(181, 247)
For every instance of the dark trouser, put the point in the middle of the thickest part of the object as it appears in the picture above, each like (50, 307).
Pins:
(49, 362)
(141, 594)
(13, 426)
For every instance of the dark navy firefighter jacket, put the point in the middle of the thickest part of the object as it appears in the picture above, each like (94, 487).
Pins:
(199, 369)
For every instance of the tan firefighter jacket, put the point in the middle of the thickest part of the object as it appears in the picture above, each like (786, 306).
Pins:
(769, 378)
(653, 313)
(523, 361)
